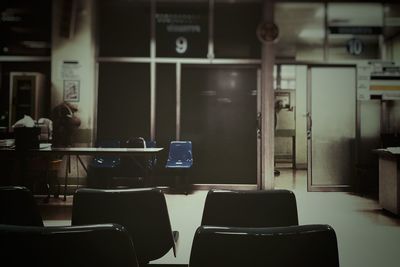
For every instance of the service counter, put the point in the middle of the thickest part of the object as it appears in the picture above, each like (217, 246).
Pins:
(389, 179)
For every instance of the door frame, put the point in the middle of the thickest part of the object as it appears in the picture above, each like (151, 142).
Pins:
(257, 118)
(210, 59)
(179, 64)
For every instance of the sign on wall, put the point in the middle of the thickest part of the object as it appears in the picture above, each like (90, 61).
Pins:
(355, 47)
(378, 80)
(182, 30)
(70, 74)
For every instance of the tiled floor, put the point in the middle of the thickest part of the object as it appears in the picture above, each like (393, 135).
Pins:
(367, 236)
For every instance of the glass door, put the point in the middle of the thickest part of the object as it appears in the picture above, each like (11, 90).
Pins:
(219, 115)
(331, 127)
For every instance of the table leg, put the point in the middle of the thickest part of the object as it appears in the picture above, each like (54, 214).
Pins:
(77, 172)
(67, 170)
(294, 152)
(83, 165)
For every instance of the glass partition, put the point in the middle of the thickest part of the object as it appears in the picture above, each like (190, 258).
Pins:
(124, 28)
(123, 101)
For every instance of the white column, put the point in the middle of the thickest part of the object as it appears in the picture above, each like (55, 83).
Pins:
(79, 47)
(267, 104)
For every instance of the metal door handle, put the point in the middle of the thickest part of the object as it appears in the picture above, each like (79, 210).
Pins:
(259, 125)
(309, 125)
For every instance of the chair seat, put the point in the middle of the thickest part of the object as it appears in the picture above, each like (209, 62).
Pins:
(290, 246)
(18, 207)
(143, 212)
(250, 208)
(180, 155)
(105, 162)
(65, 246)
(178, 164)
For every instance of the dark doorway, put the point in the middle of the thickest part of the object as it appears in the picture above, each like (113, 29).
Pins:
(218, 114)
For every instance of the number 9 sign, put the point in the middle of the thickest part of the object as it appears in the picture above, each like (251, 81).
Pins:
(181, 45)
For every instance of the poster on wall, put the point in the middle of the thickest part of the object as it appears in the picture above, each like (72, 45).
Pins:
(71, 90)
(70, 74)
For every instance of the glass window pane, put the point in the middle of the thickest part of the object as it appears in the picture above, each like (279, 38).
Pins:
(123, 101)
(165, 115)
(124, 28)
(25, 28)
(235, 29)
(391, 29)
(215, 100)
(392, 20)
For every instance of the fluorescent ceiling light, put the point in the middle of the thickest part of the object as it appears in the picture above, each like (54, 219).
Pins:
(308, 34)
(340, 14)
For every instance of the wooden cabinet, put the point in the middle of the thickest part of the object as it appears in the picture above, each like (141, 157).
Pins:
(26, 95)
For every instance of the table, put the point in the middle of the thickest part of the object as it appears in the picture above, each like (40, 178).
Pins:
(77, 151)
(389, 178)
(289, 133)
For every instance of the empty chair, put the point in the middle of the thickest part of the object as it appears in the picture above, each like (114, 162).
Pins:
(102, 169)
(91, 245)
(143, 212)
(18, 207)
(258, 208)
(291, 246)
(153, 161)
(151, 165)
(133, 169)
(180, 158)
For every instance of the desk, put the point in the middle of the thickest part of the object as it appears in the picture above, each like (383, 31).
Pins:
(389, 179)
(289, 133)
(77, 151)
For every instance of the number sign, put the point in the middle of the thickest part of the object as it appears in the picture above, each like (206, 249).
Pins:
(354, 47)
(182, 30)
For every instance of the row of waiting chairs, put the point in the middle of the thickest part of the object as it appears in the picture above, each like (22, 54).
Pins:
(105, 171)
(267, 235)
(259, 228)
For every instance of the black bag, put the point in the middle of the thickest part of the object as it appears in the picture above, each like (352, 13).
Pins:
(26, 138)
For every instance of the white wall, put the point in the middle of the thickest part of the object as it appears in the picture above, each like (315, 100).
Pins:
(80, 47)
(285, 121)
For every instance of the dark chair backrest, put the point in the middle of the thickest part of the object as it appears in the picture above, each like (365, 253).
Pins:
(251, 208)
(137, 142)
(151, 143)
(18, 207)
(143, 212)
(106, 161)
(109, 143)
(291, 246)
(133, 167)
(151, 163)
(180, 154)
(91, 245)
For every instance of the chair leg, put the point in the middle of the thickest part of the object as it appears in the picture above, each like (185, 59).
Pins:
(185, 183)
(77, 173)
(47, 182)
